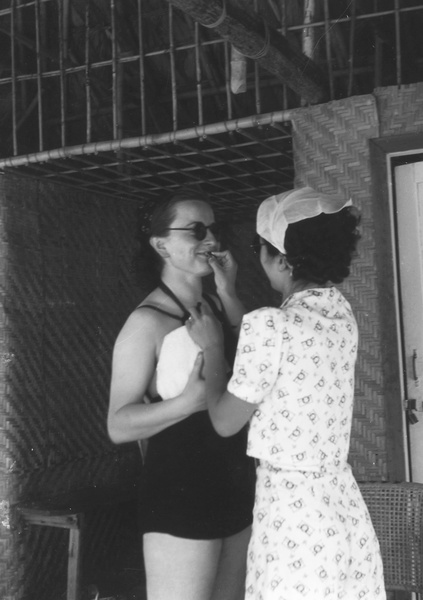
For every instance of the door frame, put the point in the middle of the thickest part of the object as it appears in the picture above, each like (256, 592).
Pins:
(382, 151)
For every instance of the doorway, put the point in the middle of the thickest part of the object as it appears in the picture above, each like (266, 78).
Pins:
(386, 155)
(407, 198)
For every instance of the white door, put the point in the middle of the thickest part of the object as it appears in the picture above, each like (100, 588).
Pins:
(409, 221)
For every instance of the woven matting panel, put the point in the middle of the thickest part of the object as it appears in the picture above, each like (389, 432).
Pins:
(400, 109)
(396, 511)
(66, 291)
(331, 153)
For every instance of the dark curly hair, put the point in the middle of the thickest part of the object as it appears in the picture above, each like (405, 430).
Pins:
(321, 249)
(154, 219)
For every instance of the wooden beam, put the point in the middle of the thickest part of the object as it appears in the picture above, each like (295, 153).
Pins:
(257, 39)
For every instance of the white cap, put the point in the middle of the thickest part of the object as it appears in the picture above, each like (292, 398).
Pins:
(277, 212)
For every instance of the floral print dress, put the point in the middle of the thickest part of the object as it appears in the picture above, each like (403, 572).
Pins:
(312, 535)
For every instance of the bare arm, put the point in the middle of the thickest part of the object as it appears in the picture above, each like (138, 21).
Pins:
(225, 270)
(133, 367)
(227, 412)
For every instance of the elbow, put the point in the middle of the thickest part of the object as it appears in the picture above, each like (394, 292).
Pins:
(115, 433)
(115, 437)
(224, 431)
(222, 427)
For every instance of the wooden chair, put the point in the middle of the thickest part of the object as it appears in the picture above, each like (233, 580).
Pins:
(396, 510)
(68, 511)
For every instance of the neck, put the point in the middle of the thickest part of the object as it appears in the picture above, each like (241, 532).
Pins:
(299, 286)
(188, 289)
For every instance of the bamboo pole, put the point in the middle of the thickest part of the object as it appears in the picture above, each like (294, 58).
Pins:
(398, 43)
(62, 54)
(39, 76)
(228, 75)
(141, 68)
(87, 72)
(13, 68)
(149, 140)
(114, 72)
(173, 71)
(329, 50)
(199, 86)
(284, 29)
(351, 48)
(256, 39)
(308, 32)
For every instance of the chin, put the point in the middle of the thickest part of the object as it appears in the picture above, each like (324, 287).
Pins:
(207, 271)
(204, 269)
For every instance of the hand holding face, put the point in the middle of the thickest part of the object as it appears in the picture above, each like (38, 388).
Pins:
(225, 270)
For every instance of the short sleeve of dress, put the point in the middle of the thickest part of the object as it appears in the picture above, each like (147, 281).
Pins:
(258, 355)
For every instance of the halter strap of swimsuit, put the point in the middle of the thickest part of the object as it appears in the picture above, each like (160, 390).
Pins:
(168, 292)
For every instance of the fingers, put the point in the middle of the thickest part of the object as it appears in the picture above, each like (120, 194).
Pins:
(197, 311)
(220, 259)
(198, 363)
(223, 263)
(221, 254)
(197, 366)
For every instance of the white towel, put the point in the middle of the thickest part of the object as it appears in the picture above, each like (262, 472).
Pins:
(176, 360)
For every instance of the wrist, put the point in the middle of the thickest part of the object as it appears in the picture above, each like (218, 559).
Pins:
(228, 291)
(213, 346)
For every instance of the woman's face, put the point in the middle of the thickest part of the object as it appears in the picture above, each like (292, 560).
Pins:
(270, 264)
(183, 249)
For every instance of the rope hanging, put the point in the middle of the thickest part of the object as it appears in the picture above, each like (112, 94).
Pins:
(261, 53)
(220, 19)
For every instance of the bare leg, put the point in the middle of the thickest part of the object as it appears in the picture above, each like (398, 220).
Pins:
(232, 567)
(180, 569)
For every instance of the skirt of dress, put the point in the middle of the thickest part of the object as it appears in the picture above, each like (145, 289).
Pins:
(312, 539)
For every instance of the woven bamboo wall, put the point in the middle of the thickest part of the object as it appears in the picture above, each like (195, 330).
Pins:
(331, 153)
(400, 109)
(66, 291)
(331, 150)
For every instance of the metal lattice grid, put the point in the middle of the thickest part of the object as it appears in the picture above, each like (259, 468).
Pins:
(237, 164)
(107, 81)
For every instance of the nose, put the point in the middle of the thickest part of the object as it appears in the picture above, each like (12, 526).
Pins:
(210, 238)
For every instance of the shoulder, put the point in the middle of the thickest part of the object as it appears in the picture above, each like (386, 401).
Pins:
(274, 311)
(264, 313)
(144, 326)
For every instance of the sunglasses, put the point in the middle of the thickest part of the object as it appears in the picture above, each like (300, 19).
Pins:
(199, 230)
(257, 244)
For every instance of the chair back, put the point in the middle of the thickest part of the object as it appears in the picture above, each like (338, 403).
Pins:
(396, 510)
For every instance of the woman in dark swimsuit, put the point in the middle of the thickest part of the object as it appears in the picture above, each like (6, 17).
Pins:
(198, 490)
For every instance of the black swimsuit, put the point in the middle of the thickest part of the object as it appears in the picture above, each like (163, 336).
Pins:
(196, 484)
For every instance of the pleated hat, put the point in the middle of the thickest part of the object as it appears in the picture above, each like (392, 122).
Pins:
(277, 212)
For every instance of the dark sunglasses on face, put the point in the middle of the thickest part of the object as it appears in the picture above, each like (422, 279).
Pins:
(199, 230)
(258, 242)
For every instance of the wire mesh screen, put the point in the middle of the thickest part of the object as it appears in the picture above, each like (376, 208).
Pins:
(91, 78)
(237, 168)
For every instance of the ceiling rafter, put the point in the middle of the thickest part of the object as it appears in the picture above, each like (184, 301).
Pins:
(254, 37)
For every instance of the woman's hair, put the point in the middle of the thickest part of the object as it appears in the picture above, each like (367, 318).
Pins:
(155, 219)
(321, 249)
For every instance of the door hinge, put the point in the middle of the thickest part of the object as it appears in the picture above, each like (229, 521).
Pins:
(411, 406)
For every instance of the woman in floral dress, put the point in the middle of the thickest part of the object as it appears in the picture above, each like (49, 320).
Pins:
(293, 380)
